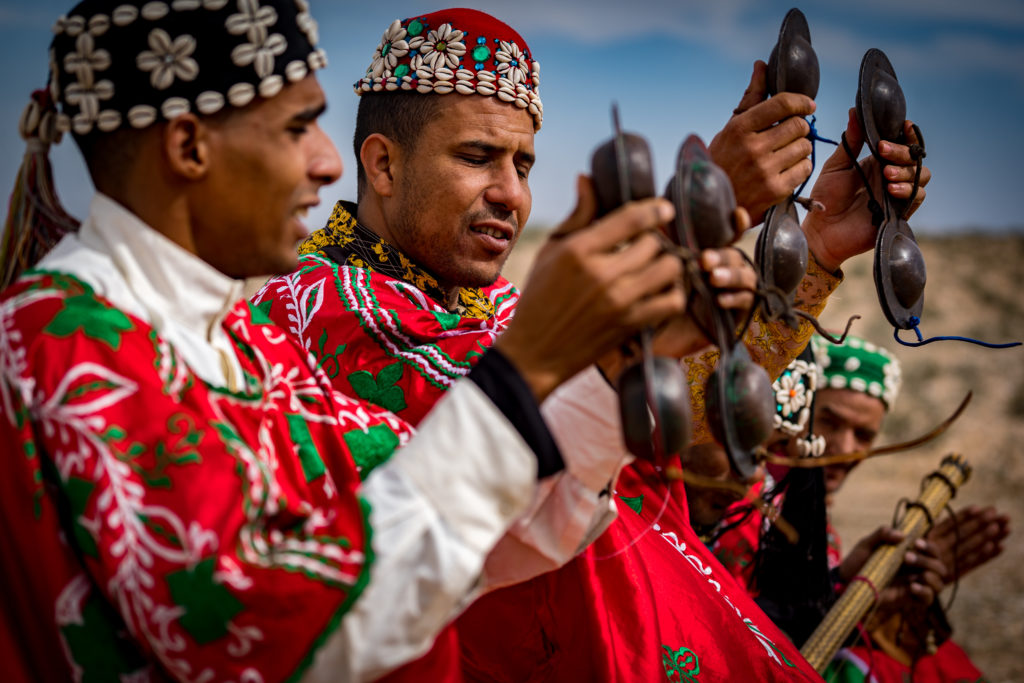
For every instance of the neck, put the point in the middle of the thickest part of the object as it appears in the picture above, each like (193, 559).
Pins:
(152, 194)
(370, 214)
(166, 214)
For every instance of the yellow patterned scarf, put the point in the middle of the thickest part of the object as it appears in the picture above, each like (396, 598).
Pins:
(346, 242)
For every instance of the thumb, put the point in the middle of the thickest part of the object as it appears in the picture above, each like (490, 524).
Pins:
(757, 90)
(840, 159)
(584, 212)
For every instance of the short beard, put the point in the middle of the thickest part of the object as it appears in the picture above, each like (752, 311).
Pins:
(448, 272)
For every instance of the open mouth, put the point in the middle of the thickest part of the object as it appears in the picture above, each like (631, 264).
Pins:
(491, 231)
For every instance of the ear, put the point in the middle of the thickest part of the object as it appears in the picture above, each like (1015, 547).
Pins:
(186, 146)
(381, 158)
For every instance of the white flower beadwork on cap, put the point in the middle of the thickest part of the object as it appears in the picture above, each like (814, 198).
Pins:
(512, 65)
(167, 59)
(443, 47)
(252, 20)
(86, 60)
(811, 447)
(87, 99)
(260, 53)
(255, 22)
(54, 84)
(306, 23)
(790, 395)
(393, 45)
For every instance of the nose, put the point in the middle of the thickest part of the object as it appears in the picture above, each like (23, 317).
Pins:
(325, 165)
(507, 189)
(842, 442)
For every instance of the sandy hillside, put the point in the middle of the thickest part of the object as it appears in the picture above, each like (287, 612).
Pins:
(976, 289)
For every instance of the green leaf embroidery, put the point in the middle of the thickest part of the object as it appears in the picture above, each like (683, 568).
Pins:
(96, 320)
(86, 388)
(98, 646)
(372, 447)
(260, 313)
(209, 606)
(382, 390)
(328, 362)
(447, 321)
(167, 453)
(312, 464)
(79, 491)
(680, 665)
(636, 504)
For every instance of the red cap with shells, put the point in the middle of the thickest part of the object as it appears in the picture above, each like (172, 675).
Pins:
(456, 50)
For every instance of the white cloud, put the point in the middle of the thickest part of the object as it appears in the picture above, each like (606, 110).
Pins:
(947, 35)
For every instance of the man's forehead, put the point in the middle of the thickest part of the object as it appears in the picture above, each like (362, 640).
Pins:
(482, 119)
(851, 404)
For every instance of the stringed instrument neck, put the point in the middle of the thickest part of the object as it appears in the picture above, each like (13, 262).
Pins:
(936, 491)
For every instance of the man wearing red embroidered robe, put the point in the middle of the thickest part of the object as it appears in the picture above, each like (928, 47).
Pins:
(408, 284)
(179, 498)
(860, 382)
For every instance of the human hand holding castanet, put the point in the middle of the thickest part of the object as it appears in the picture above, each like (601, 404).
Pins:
(593, 286)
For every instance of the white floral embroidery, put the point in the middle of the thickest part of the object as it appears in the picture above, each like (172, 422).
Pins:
(141, 115)
(209, 102)
(511, 63)
(108, 120)
(306, 23)
(86, 60)
(443, 47)
(261, 56)
(435, 65)
(174, 106)
(893, 379)
(811, 447)
(252, 20)
(124, 15)
(317, 59)
(271, 86)
(87, 99)
(99, 24)
(54, 81)
(392, 46)
(296, 71)
(74, 25)
(167, 59)
(241, 94)
(790, 394)
(154, 11)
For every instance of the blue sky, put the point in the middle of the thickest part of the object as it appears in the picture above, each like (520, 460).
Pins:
(674, 67)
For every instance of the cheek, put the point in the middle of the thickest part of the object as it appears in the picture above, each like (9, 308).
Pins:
(524, 212)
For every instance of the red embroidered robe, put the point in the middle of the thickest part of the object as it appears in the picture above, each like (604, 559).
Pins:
(407, 348)
(170, 527)
(646, 602)
(737, 548)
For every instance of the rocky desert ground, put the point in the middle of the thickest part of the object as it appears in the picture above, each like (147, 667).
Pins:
(976, 289)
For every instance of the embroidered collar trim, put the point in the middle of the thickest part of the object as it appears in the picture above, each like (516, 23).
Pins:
(348, 242)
